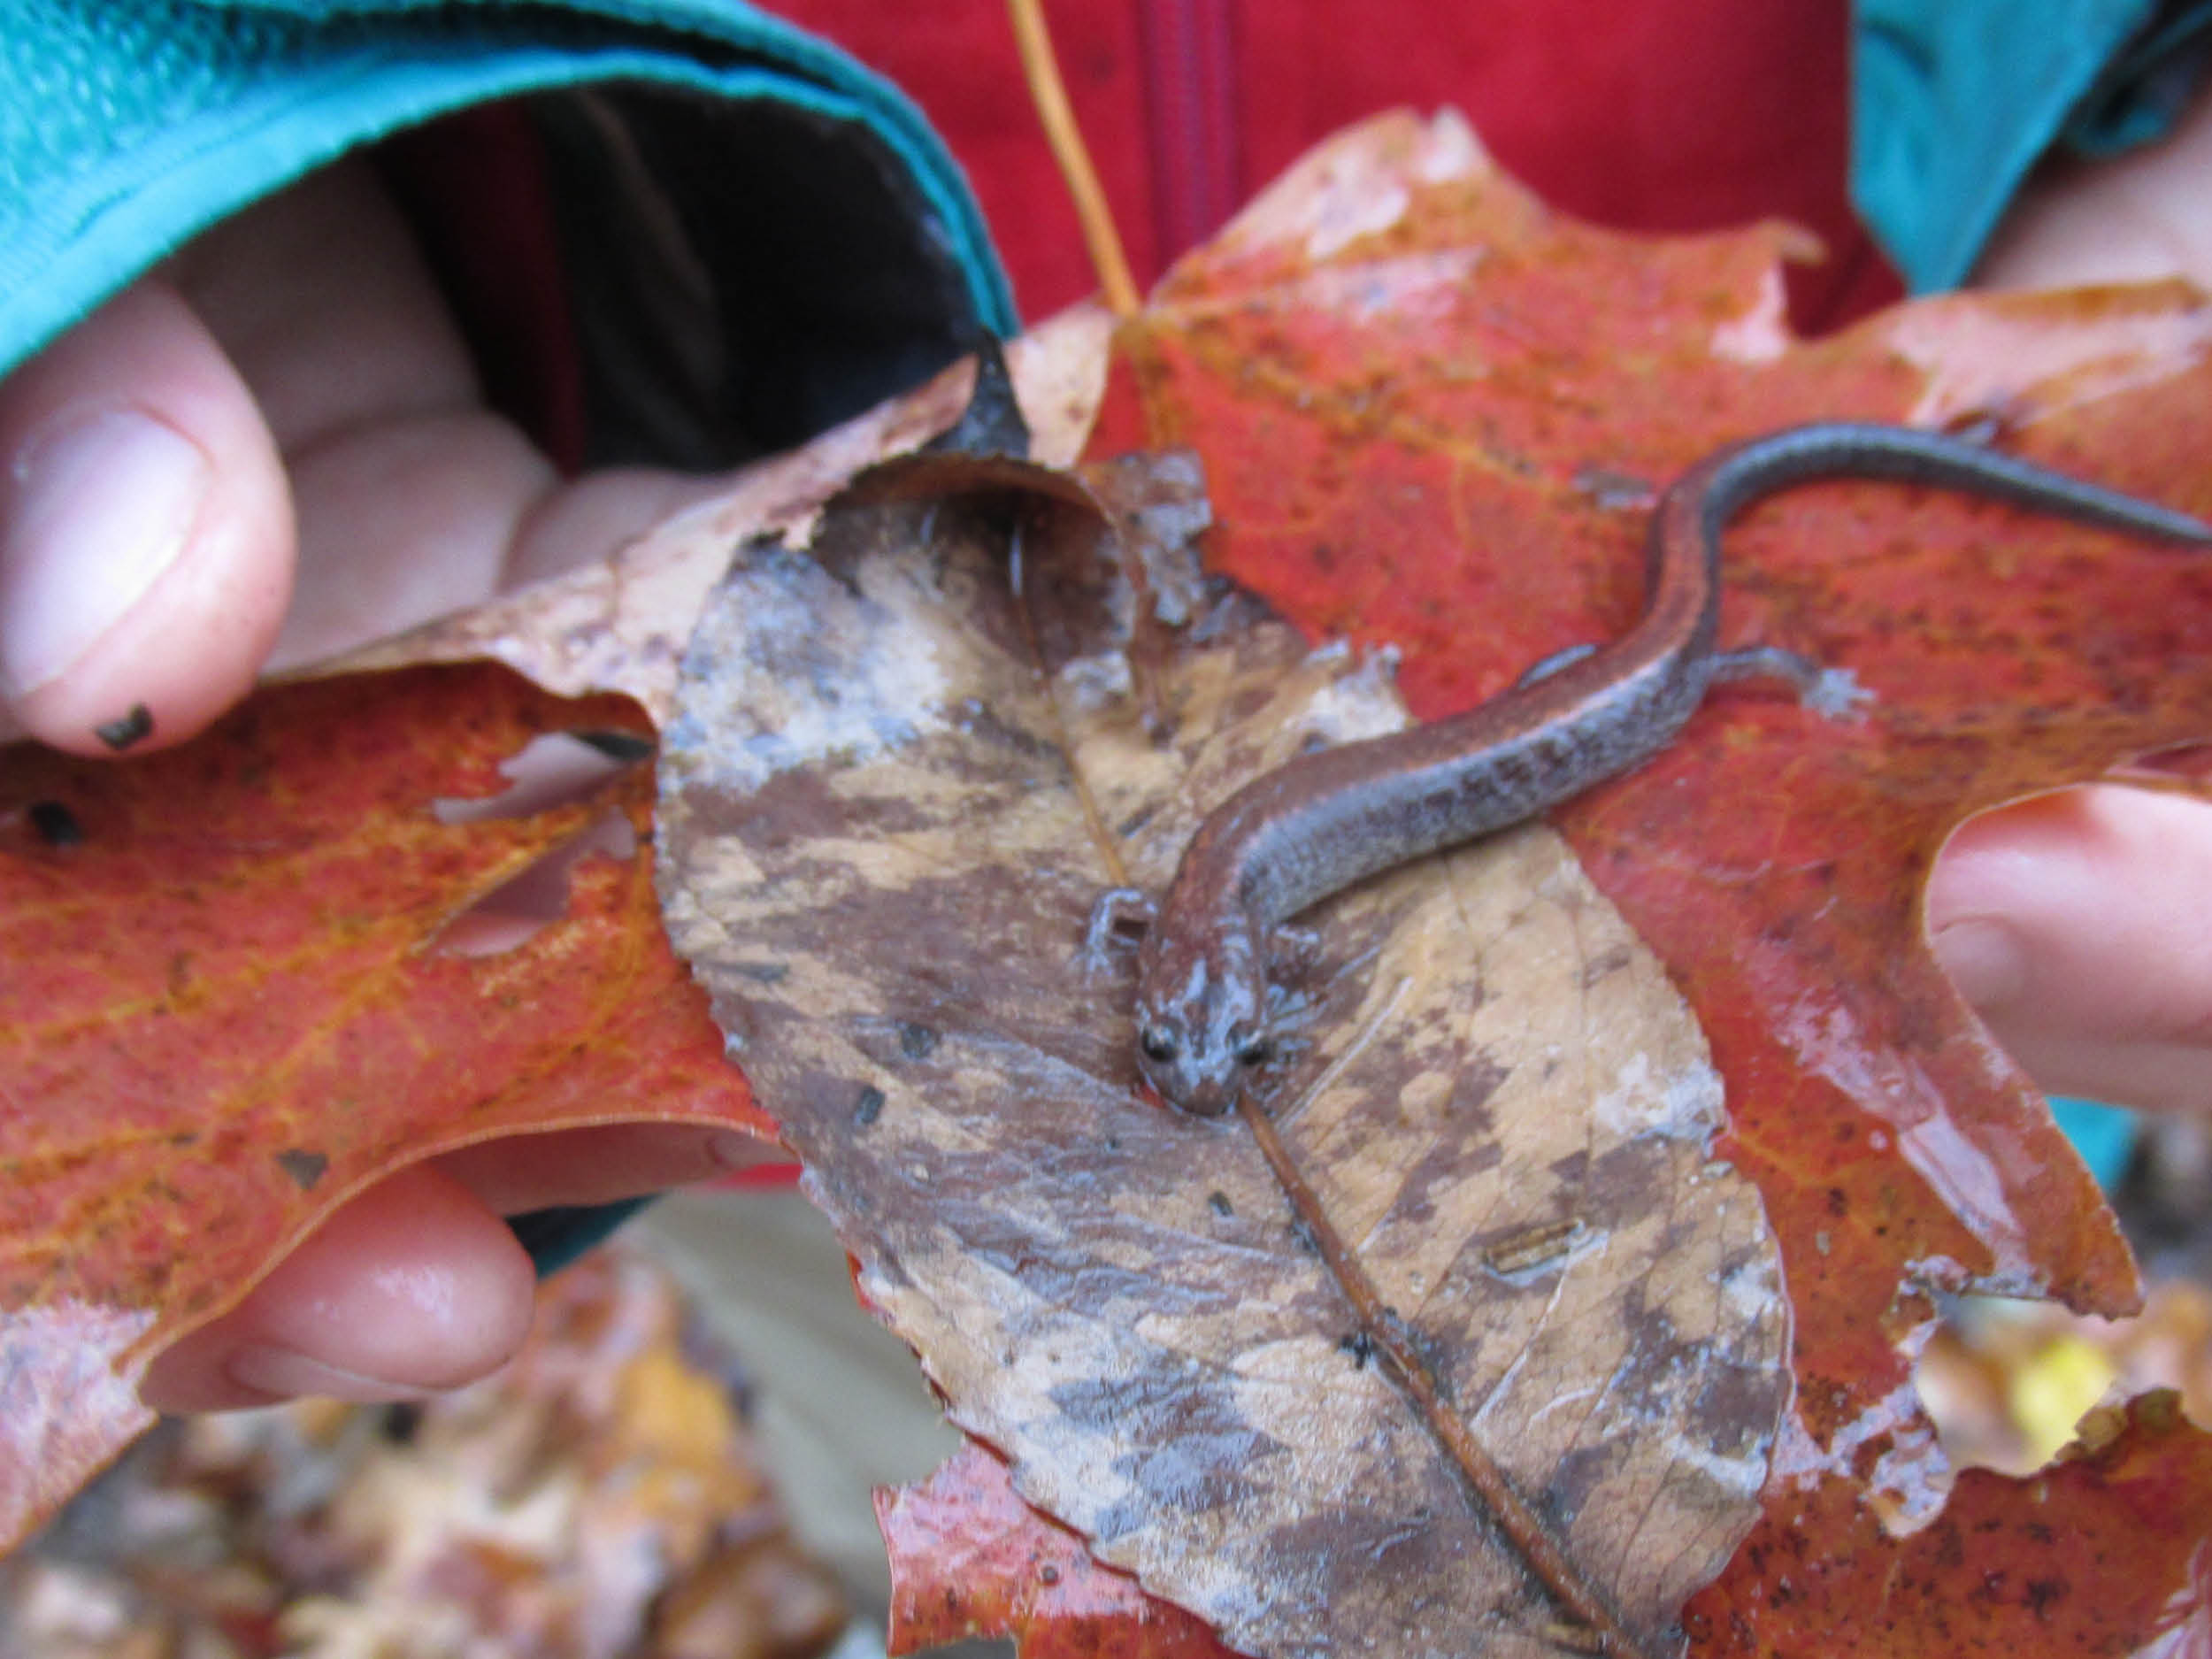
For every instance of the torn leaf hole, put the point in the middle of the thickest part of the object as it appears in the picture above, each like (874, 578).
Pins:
(305, 1168)
(513, 912)
(2183, 767)
(627, 748)
(401, 1421)
(552, 769)
(56, 825)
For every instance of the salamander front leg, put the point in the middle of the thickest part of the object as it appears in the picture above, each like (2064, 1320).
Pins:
(1119, 911)
(1293, 952)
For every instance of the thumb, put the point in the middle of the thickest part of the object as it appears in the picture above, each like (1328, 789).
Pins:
(2074, 922)
(146, 533)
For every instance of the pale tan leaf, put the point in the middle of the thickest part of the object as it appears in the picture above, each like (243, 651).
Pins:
(892, 792)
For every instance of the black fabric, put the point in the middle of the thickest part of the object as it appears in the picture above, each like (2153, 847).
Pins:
(744, 275)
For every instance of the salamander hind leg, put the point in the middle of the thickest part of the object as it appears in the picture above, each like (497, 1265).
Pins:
(1833, 692)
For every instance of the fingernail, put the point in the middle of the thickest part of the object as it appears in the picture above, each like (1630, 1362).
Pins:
(286, 1374)
(100, 505)
(1985, 960)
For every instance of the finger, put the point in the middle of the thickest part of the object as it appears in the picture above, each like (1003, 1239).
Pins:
(599, 1165)
(404, 520)
(2131, 218)
(411, 1287)
(146, 541)
(321, 297)
(595, 516)
(2076, 924)
(414, 499)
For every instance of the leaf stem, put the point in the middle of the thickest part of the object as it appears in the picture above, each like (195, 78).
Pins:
(1042, 70)
(1525, 1529)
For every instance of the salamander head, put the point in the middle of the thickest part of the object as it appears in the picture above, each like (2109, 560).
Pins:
(1201, 1016)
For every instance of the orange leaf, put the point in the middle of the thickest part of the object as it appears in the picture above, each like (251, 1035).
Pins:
(969, 1558)
(229, 1010)
(2103, 1553)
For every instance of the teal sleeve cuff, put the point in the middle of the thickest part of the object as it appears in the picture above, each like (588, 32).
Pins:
(126, 129)
(1954, 100)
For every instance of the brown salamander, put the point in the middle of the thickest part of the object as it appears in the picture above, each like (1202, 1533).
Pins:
(1326, 820)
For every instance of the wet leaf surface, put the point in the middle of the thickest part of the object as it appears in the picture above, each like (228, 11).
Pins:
(969, 1558)
(2104, 1553)
(1431, 415)
(1773, 860)
(892, 793)
(318, 942)
(228, 1009)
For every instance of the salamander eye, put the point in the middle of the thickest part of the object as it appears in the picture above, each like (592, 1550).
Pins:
(1258, 1051)
(1158, 1045)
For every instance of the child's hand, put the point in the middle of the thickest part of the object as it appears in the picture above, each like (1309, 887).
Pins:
(279, 443)
(275, 445)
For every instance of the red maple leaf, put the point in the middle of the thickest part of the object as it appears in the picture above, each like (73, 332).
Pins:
(228, 1010)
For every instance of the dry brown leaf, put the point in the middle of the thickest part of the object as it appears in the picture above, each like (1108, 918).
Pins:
(893, 789)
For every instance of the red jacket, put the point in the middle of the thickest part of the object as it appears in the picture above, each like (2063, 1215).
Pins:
(1640, 114)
